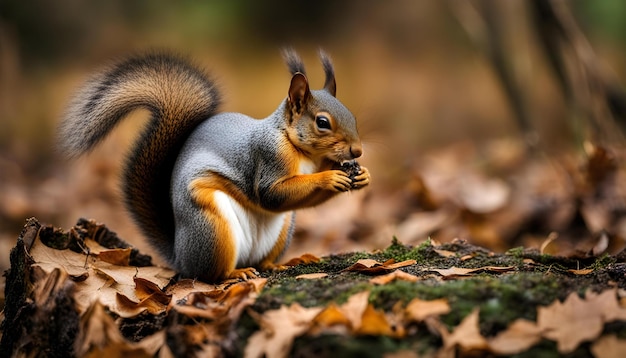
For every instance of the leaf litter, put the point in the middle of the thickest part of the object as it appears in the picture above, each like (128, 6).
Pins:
(401, 293)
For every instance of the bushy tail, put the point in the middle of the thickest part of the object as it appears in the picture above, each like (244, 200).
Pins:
(178, 95)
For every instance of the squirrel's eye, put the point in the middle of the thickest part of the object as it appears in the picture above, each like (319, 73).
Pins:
(322, 122)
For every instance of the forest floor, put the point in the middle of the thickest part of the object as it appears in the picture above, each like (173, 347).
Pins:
(86, 292)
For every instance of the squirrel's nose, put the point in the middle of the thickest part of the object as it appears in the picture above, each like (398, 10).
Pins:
(356, 150)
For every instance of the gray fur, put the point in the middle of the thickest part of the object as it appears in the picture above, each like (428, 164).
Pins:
(294, 63)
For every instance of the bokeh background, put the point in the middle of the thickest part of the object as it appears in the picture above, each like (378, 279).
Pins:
(450, 96)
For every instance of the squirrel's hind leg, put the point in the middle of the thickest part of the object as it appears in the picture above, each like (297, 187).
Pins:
(214, 241)
(284, 238)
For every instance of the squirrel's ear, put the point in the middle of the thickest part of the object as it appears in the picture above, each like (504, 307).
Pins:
(299, 92)
(329, 84)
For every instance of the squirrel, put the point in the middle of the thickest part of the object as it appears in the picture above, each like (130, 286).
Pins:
(215, 193)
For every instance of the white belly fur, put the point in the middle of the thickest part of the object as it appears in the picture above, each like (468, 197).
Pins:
(255, 233)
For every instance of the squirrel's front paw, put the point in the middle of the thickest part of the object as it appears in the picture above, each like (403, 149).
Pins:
(338, 180)
(362, 179)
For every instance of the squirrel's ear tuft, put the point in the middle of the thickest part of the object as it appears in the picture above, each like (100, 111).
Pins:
(299, 93)
(294, 63)
(329, 84)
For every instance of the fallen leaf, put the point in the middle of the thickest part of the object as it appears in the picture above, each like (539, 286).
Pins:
(331, 316)
(374, 323)
(397, 265)
(609, 347)
(304, 259)
(393, 276)
(420, 224)
(454, 271)
(128, 308)
(544, 245)
(467, 334)
(184, 287)
(499, 268)
(467, 257)
(576, 320)
(373, 267)
(216, 303)
(418, 310)
(460, 271)
(97, 331)
(518, 337)
(608, 304)
(366, 263)
(116, 256)
(581, 271)
(312, 276)
(278, 330)
(483, 195)
(146, 288)
(76, 265)
(445, 253)
(355, 306)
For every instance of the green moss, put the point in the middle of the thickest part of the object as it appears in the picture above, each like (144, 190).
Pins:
(602, 262)
(501, 297)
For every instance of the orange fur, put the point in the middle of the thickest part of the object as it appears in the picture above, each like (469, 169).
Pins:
(225, 255)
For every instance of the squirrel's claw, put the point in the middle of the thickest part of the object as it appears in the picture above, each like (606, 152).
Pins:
(340, 181)
(244, 273)
(361, 180)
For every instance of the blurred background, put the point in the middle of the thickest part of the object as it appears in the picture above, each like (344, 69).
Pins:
(495, 122)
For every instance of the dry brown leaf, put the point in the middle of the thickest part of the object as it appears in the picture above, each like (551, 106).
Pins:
(575, 320)
(76, 265)
(373, 267)
(609, 347)
(467, 257)
(445, 253)
(581, 271)
(608, 304)
(331, 316)
(97, 330)
(214, 304)
(145, 288)
(397, 265)
(367, 263)
(455, 271)
(374, 323)
(544, 245)
(304, 259)
(278, 330)
(101, 281)
(518, 337)
(128, 308)
(569, 323)
(99, 336)
(184, 287)
(467, 334)
(498, 268)
(312, 276)
(355, 306)
(116, 256)
(423, 223)
(460, 271)
(393, 276)
(483, 195)
(418, 310)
